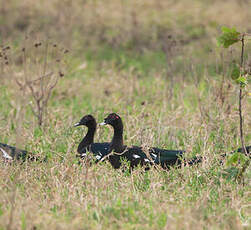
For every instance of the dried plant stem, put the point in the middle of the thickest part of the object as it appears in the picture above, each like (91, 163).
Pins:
(240, 99)
(20, 117)
(41, 73)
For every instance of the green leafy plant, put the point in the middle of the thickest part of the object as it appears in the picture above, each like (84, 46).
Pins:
(229, 37)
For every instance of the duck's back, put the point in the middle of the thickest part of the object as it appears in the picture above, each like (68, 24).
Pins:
(99, 150)
(160, 156)
(134, 155)
(11, 152)
(248, 149)
(137, 155)
(163, 157)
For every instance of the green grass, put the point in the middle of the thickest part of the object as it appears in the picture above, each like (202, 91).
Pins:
(174, 103)
(62, 194)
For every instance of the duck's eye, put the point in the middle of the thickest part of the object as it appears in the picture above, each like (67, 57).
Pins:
(114, 116)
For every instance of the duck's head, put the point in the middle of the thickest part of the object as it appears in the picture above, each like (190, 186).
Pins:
(88, 121)
(112, 119)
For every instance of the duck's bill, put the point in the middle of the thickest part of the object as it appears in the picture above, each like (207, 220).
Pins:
(102, 123)
(77, 124)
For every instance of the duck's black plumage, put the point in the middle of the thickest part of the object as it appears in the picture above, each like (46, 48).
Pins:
(99, 150)
(12, 153)
(239, 150)
(248, 148)
(134, 154)
(137, 155)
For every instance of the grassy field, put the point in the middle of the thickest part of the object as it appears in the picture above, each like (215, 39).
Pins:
(156, 64)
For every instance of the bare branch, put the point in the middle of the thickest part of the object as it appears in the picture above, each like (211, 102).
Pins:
(240, 98)
(40, 78)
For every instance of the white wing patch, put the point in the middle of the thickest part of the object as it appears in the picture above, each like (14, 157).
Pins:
(154, 155)
(98, 157)
(146, 160)
(83, 155)
(136, 156)
(6, 155)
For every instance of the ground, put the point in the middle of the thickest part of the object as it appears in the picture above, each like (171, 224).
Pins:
(156, 64)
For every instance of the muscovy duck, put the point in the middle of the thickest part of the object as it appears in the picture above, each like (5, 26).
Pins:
(137, 155)
(99, 150)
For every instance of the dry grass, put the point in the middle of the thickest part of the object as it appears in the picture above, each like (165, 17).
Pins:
(63, 195)
(193, 112)
(131, 24)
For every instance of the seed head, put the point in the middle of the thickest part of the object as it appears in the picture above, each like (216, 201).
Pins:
(6, 48)
(60, 74)
(38, 44)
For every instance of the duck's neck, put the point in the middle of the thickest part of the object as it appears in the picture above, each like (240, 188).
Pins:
(117, 140)
(87, 140)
